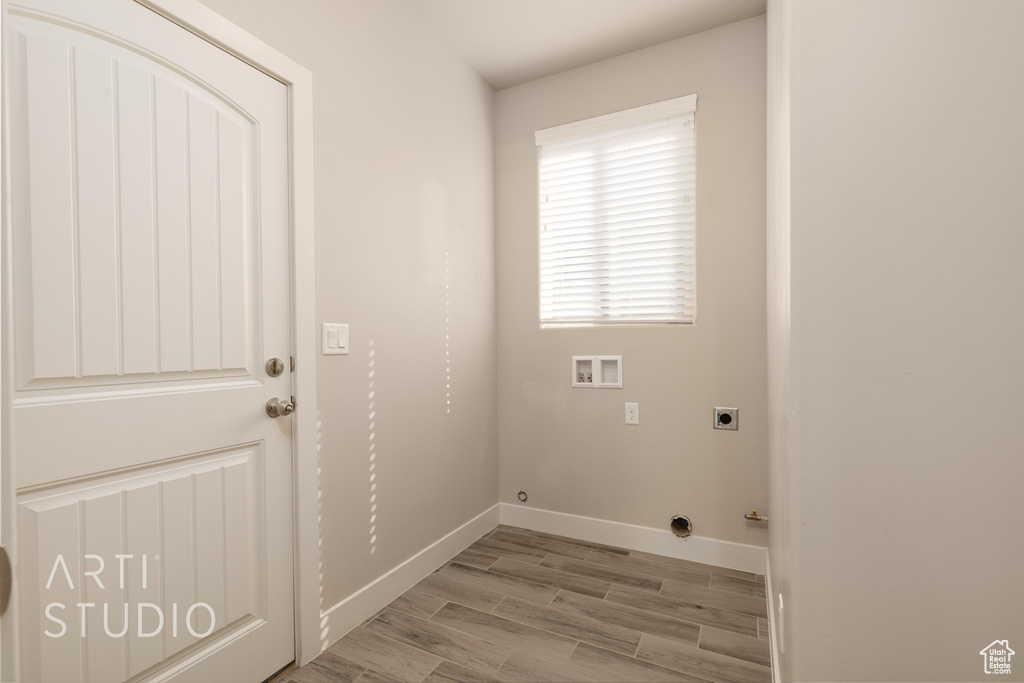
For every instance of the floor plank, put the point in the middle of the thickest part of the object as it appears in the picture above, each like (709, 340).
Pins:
(328, 668)
(752, 589)
(522, 668)
(457, 591)
(375, 615)
(442, 641)
(538, 543)
(512, 529)
(374, 651)
(627, 617)
(598, 662)
(583, 544)
(708, 665)
(417, 603)
(685, 610)
(446, 672)
(712, 597)
(508, 551)
(697, 566)
(594, 571)
(552, 577)
(370, 676)
(506, 632)
(762, 629)
(649, 568)
(500, 583)
(734, 645)
(575, 626)
(474, 558)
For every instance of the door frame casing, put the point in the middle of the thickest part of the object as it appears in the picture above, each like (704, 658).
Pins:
(9, 644)
(215, 29)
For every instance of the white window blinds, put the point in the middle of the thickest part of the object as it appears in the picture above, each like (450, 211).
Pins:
(617, 218)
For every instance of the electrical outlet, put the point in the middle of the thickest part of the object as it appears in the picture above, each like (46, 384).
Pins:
(727, 418)
(632, 413)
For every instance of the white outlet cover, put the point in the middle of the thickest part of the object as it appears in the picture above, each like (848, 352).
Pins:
(632, 413)
(335, 339)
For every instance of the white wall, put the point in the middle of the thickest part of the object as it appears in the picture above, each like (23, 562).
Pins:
(569, 449)
(404, 174)
(899, 453)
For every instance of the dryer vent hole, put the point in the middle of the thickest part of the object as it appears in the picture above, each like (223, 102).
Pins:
(681, 526)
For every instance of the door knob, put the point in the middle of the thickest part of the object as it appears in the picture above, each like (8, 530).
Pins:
(277, 407)
(6, 580)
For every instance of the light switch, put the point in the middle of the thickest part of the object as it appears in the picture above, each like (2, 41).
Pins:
(335, 339)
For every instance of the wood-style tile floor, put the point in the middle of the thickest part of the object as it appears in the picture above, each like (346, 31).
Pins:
(526, 606)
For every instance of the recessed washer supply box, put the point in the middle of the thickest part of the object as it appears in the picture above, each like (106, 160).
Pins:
(597, 372)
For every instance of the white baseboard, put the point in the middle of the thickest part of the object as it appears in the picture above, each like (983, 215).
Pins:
(749, 558)
(371, 598)
(772, 616)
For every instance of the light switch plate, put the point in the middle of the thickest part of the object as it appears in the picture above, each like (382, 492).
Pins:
(335, 339)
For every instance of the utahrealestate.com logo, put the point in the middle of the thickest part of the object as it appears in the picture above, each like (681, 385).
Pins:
(997, 657)
(147, 612)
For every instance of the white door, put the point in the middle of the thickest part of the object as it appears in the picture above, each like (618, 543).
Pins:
(149, 203)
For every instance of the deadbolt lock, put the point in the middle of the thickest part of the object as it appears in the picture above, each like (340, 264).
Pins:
(275, 366)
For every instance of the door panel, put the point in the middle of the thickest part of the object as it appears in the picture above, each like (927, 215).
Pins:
(150, 241)
(136, 257)
(193, 521)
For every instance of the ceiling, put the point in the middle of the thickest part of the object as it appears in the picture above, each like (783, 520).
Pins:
(513, 41)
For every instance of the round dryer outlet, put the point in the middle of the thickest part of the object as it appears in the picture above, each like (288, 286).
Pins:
(681, 526)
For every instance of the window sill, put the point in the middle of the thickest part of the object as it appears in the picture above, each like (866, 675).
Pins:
(612, 326)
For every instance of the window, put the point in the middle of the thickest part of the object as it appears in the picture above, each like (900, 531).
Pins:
(617, 218)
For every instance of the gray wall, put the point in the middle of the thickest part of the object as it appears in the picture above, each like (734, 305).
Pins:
(569, 448)
(897, 462)
(404, 174)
